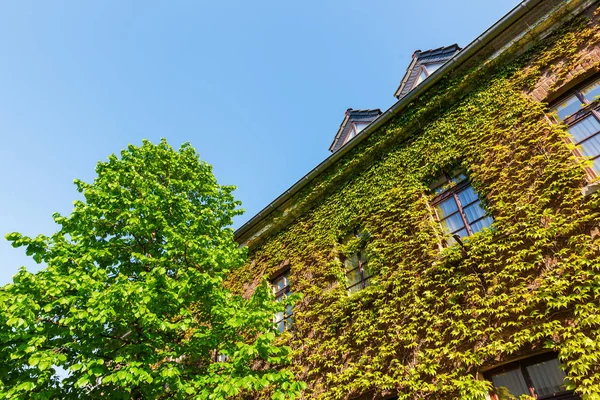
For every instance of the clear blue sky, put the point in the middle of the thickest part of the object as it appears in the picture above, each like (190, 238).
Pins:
(259, 88)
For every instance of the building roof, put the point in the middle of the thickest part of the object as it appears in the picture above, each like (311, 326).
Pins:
(364, 116)
(419, 58)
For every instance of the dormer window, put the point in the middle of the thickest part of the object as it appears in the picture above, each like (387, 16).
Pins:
(422, 76)
(426, 70)
(359, 126)
(431, 68)
(355, 129)
(423, 64)
(355, 121)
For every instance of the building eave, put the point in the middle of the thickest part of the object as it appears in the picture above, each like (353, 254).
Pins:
(405, 77)
(252, 228)
(340, 131)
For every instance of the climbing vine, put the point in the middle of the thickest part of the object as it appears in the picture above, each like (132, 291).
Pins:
(435, 317)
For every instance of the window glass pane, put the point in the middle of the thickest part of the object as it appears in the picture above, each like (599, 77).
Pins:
(453, 223)
(584, 128)
(591, 147)
(510, 385)
(459, 177)
(289, 319)
(351, 262)
(282, 290)
(461, 233)
(446, 208)
(421, 78)
(440, 189)
(596, 166)
(280, 283)
(431, 68)
(281, 326)
(548, 378)
(467, 196)
(482, 223)
(360, 126)
(351, 134)
(353, 277)
(473, 212)
(363, 257)
(439, 184)
(278, 316)
(592, 92)
(568, 107)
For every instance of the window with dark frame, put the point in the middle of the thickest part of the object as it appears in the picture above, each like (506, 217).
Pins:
(580, 110)
(540, 377)
(458, 207)
(358, 274)
(281, 289)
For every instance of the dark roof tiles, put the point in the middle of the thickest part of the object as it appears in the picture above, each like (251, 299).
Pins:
(447, 51)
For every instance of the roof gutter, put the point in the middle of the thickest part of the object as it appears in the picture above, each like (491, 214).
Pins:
(513, 16)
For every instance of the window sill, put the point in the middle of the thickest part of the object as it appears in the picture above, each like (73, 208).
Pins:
(591, 188)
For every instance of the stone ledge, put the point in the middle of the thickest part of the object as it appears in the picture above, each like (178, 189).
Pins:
(590, 188)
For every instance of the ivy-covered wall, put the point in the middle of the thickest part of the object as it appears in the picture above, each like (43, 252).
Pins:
(436, 317)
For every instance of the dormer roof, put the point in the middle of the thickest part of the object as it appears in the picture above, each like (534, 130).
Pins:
(354, 121)
(418, 70)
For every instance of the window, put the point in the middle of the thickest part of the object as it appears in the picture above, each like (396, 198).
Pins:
(431, 68)
(358, 274)
(281, 289)
(425, 71)
(422, 76)
(355, 129)
(580, 110)
(458, 208)
(540, 377)
(359, 126)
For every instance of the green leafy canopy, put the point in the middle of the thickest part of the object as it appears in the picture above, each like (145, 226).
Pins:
(132, 302)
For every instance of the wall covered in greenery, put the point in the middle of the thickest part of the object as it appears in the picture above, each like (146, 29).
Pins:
(435, 317)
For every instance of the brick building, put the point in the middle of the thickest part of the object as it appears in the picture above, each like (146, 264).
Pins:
(449, 247)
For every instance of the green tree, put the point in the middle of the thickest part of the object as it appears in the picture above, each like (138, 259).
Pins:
(132, 303)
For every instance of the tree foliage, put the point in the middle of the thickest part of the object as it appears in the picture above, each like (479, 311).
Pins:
(132, 302)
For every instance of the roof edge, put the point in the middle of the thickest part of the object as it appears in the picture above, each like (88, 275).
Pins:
(410, 67)
(340, 130)
(457, 60)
